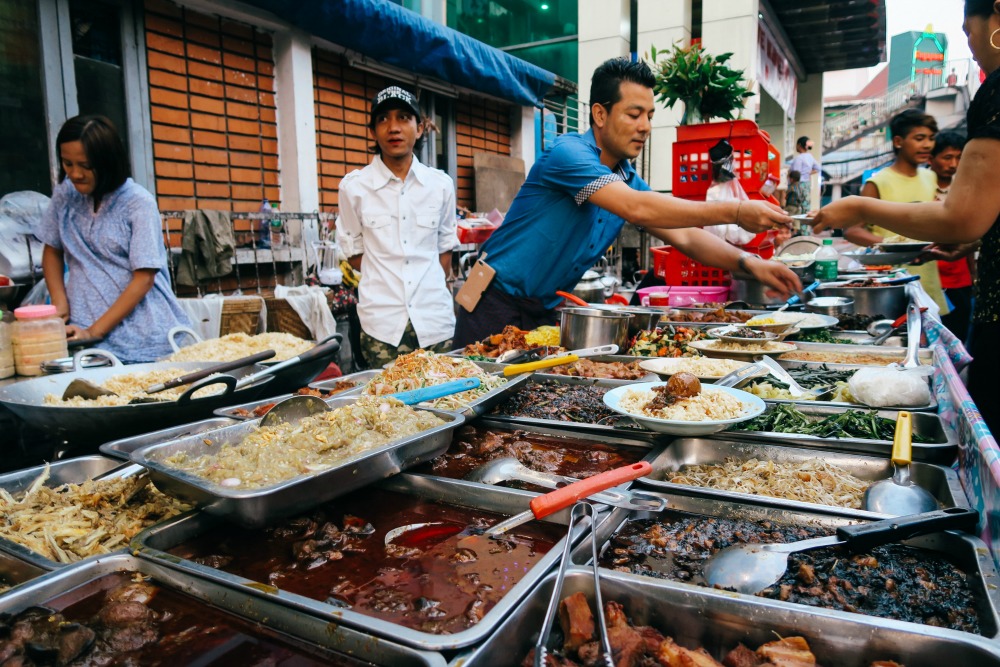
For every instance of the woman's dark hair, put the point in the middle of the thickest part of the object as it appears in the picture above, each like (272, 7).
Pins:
(982, 8)
(906, 121)
(605, 85)
(104, 149)
(948, 139)
(801, 143)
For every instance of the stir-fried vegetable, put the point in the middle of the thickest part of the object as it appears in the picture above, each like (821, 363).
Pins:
(668, 341)
(787, 418)
(822, 336)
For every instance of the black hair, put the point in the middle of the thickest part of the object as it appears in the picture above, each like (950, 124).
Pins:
(981, 8)
(909, 119)
(801, 143)
(605, 84)
(794, 175)
(104, 150)
(948, 139)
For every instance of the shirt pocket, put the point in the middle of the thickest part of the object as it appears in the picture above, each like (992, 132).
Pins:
(377, 220)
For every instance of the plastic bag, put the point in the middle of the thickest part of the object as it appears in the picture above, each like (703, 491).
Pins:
(24, 208)
(726, 187)
(892, 385)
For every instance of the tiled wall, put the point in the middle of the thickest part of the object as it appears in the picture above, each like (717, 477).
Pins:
(211, 89)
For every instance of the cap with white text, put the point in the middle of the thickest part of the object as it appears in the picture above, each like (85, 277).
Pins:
(396, 98)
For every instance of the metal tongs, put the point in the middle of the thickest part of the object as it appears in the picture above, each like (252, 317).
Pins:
(541, 647)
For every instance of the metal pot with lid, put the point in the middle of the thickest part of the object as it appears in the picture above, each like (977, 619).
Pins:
(595, 288)
(590, 327)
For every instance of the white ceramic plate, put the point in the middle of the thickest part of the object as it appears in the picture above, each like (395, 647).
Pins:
(752, 406)
(728, 332)
(708, 347)
(670, 366)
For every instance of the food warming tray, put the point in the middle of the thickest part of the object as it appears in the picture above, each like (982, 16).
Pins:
(255, 507)
(620, 425)
(121, 449)
(605, 358)
(942, 450)
(967, 552)
(719, 621)
(68, 471)
(255, 609)
(154, 543)
(939, 481)
(925, 355)
(14, 571)
(476, 408)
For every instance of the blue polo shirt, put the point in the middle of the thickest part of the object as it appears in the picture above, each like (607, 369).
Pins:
(552, 233)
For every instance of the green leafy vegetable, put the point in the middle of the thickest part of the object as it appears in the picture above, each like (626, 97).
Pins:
(786, 418)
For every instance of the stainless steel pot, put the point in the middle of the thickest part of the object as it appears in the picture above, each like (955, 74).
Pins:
(642, 318)
(889, 301)
(831, 305)
(590, 327)
(595, 288)
(747, 288)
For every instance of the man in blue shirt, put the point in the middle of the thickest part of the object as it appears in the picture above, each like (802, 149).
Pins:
(578, 196)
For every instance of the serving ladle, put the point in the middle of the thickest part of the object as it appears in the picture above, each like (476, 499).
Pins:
(751, 568)
(899, 495)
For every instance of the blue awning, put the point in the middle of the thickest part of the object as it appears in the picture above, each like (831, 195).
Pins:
(396, 36)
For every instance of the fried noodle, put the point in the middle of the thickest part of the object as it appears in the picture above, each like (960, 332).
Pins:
(424, 369)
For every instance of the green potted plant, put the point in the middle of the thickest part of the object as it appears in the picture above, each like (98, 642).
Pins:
(703, 82)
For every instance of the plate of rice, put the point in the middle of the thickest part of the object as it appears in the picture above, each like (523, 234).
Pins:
(728, 350)
(712, 410)
(706, 369)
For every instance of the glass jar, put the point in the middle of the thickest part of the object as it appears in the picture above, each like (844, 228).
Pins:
(38, 335)
(6, 350)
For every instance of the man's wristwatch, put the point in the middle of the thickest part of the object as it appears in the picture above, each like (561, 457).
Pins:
(742, 261)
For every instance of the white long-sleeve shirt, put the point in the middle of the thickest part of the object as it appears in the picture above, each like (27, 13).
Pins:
(401, 227)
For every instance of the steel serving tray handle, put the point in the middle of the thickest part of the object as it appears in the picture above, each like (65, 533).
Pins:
(79, 356)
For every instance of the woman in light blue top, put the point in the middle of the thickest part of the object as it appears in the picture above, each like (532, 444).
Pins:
(106, 228)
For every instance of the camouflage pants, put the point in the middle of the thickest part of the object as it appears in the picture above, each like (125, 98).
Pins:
(378, 354)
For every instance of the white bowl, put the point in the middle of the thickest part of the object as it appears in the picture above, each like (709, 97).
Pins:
(752, 406)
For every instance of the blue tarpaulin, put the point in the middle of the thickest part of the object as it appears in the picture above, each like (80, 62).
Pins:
(388, 33)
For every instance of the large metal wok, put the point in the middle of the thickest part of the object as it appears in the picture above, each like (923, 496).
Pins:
(26, 399)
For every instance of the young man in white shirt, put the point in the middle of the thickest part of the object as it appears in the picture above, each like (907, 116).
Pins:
(397, 225)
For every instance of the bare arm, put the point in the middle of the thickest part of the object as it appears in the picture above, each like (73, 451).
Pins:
(134, 292)
(355, 262)
(859, 235)
(52, 269)
(657, 211)
(709, 249)
(970, 210)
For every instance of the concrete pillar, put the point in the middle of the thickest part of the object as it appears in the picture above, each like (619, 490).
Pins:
(603, 33)
(522, 134)
(731, 26)
(296, 121)
(663, 24)
(809, 121)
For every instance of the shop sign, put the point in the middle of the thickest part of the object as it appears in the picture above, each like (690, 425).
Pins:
(774, 73)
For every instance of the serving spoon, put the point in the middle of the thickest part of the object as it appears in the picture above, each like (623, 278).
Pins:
(751, 568)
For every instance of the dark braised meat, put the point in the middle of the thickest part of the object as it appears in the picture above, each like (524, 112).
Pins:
(891, 581)
(720, 315)
(747, 332)
(559, 402)
(116, 621)
(684, 385)
(857, 321)
(475, 446)
(427, 579)
(614, 370)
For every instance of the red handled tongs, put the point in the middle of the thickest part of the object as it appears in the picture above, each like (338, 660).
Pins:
(541, 648)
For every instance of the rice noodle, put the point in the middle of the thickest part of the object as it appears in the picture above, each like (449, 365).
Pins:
(238, 345)
(424, 369)
(810, 481)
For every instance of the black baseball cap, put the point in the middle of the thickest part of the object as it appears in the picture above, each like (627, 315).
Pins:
(396, 98)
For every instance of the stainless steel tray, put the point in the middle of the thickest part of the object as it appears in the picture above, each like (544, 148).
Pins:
(967, 552)
(69, 471)
(476, 408)
(361, 377)
(942, 450)
(931, 406)
(652, 450)
(859, 337)
(154, 543)
(621, 426)
(14, 571)
(256, 609)
(122, 449)
(719, 621)
(623, 358)
(926, 355)
(940, 481)
(255, 507)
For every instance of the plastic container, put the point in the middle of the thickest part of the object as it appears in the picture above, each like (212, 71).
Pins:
(276, 230)
(756, 162)
(826, 261)
(475, 230)
(6, 349)
(680, 296)
(265, 226)
(38, 334)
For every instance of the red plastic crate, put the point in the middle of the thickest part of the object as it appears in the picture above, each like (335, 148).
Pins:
(477, 234)
(754, 157)
(676, 268)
